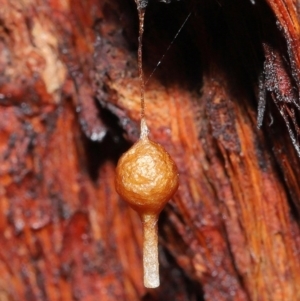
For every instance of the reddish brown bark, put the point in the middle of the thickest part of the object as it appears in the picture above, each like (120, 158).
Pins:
(69, 106)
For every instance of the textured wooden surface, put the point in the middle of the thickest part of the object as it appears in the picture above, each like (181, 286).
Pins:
(69, 106)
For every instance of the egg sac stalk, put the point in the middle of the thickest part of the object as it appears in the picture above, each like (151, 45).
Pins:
(150, 250)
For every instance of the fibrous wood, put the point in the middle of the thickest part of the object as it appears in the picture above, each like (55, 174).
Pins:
(69, 106)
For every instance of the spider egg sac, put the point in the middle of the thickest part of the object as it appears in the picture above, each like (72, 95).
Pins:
(146, 177)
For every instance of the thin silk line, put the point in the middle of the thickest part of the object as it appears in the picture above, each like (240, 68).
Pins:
(163, 56)
(140, 60)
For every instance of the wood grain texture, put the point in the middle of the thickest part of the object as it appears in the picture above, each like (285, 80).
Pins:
(69, 106)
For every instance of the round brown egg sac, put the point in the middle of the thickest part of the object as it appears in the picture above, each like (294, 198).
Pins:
(146, 177)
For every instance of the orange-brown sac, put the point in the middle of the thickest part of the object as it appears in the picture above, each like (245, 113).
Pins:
(146, 177)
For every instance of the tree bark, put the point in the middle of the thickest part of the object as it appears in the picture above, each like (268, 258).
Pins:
(69, 107)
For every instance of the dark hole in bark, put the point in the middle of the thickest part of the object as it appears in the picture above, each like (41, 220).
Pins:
(111, 148)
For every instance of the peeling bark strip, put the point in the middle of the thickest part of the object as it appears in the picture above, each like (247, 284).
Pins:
(68, 75)
(222, 119)
(283, 92)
